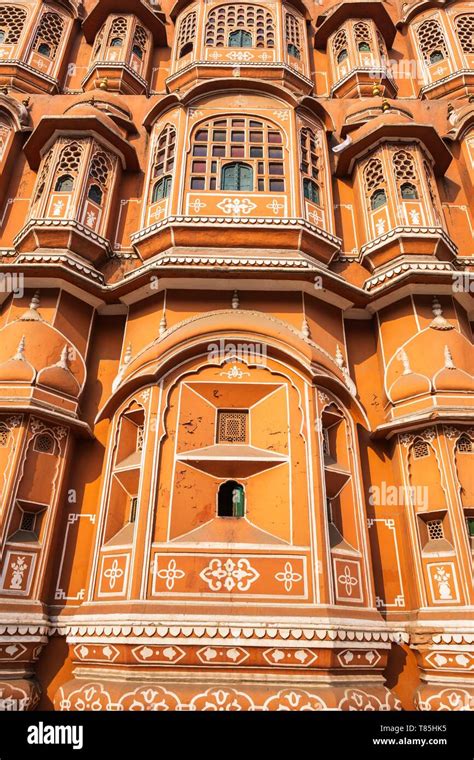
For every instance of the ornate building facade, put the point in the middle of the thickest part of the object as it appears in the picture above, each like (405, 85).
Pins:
(236, 389)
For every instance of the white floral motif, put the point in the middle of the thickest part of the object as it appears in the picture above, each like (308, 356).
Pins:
(57, 208)
(113, 573)
(380, 226)
(288, 577)
(442, 578)
(229, 575)
(236, 206)
(348, 580)
(234, 372)
(414, 216)
(239, 56)
(18, 567)
(170, 574)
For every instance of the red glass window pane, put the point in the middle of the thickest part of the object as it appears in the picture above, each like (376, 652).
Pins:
(199, 166)
(274, 137)
(237, 151)
(197, 183)
(277, 185)
(201, 135)
(218, 150)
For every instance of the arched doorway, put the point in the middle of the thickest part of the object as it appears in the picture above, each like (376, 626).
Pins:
(231, 499)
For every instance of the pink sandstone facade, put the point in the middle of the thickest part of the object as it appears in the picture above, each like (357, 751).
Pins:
(236, 389)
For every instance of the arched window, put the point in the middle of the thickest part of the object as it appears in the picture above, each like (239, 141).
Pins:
(293, 35)
(237, 176)
(95, 194)
(405, 169)
(118, 32)
(240, 38)
(48, 35)
(340, 46)
(186, 34)
(70, 158)
(432, 41)
(378, 199)
(255, 141)
(44, 444)
(226, 19)
(375, 183)
(231, 500)
(311, 191)
(362, 37)
(408, 191)
(161, 189)
(309, 165)
(163, 162)
(12, 23)
(64, 184)
(465, 445)
(465, 32)
(139, 42)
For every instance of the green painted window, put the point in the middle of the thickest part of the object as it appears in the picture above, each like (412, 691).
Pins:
(161, 189)
(240, 38)
(311, 190)
(237, 176)
(378, 199)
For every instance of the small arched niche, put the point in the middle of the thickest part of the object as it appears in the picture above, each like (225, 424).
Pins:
(231, 499)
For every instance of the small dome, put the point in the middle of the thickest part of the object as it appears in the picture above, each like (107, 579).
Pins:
(407, 386)
(17, 369)
(450, 378)
(59, 377)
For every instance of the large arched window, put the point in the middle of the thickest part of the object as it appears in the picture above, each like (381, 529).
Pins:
(465, 31)
(163, 162)
(186, 34)
(12, 22)
(374, 181)
(48, 35)
(258, 143)
(225, 20)
(432, 41)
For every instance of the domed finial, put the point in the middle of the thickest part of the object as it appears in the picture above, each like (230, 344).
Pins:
(163, 324)
(385, 105)
(31, 314)
(20, 352)
(103, 84)
(402, 356)
(376, 90)
(235, 300)
(448, 359)
(305, 328)
(439, 322)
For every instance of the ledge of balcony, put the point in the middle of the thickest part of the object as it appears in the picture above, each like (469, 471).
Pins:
(423, 241)
(62, 234)
(277, 72)
(254, 232)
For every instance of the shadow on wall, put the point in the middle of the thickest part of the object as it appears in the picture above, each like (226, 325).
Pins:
(402, 674)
